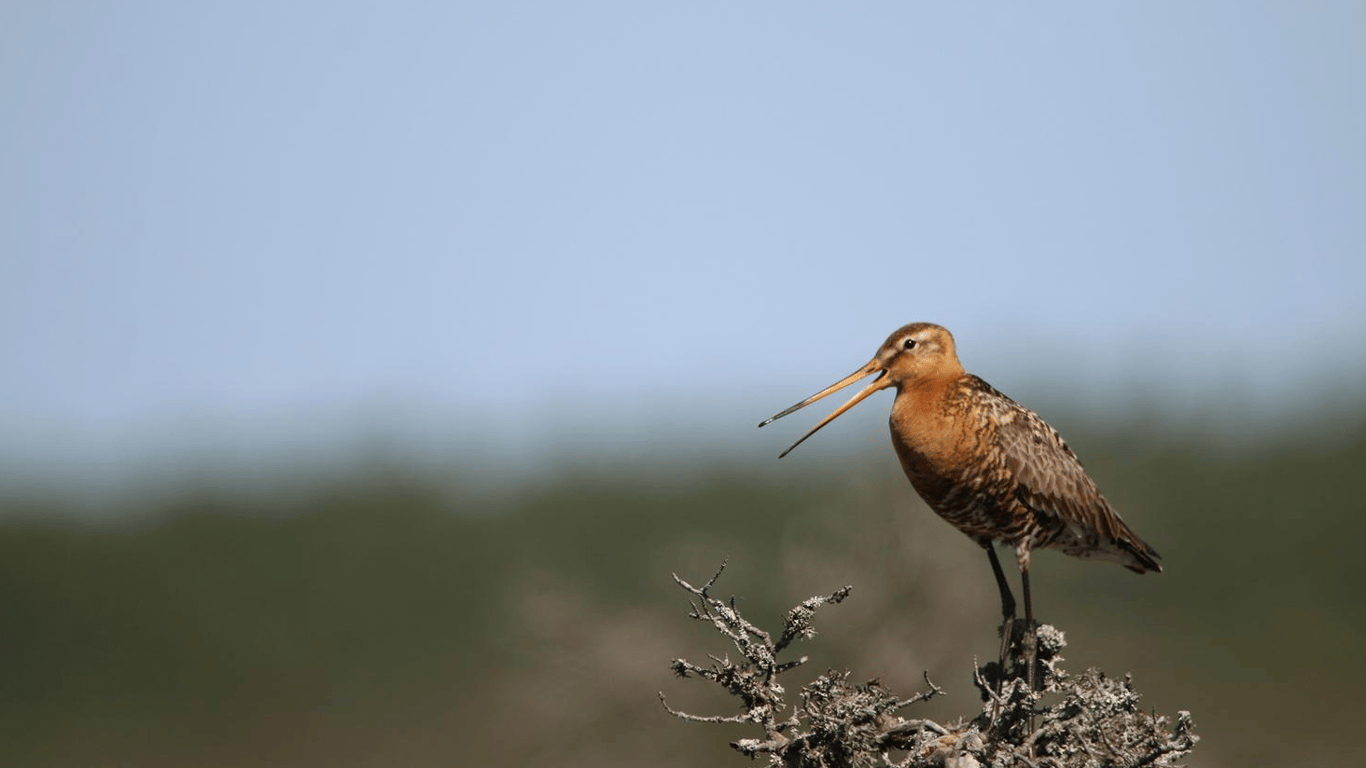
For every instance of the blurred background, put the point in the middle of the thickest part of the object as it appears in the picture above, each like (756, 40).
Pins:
(366, 369)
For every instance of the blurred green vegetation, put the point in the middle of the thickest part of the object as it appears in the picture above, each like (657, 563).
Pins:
(386, 619)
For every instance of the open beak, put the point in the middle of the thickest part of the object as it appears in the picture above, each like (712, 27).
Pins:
(881, 382)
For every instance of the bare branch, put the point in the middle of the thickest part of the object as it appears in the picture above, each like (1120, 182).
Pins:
(700, 718)
(919, 697)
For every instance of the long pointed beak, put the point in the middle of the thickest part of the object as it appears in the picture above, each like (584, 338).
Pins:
(881, 382)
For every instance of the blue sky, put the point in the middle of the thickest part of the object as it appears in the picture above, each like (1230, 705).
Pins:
(507, 226)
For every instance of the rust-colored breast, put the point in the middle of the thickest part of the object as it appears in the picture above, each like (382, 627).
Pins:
(944, 441)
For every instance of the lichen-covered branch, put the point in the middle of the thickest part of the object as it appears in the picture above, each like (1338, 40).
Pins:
(1088, 720)
(754, 679)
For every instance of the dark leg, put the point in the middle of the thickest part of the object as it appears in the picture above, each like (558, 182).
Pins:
(1007, 609)
(1007, 599)
(1029, 643)
(1029, 640)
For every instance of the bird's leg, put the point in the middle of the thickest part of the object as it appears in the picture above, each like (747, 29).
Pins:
(1029, 640)
(1007, 599)
(1007, 606)
(1028, 643)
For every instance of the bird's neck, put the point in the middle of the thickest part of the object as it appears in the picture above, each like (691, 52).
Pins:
(937, 385)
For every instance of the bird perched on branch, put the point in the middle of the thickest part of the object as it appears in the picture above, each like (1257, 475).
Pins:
(986, 464)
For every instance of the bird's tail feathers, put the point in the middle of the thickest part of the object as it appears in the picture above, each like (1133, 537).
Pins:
(1141, 557)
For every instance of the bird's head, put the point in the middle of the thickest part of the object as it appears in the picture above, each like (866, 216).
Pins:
(913, 352)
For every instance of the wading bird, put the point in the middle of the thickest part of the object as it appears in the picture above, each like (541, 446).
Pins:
(986, 464)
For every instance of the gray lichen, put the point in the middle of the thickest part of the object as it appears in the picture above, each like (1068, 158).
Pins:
(1089, 720)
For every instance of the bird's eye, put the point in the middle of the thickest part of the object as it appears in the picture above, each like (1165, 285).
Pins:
(908, 344)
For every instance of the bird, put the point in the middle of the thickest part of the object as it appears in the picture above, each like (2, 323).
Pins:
(991, 467)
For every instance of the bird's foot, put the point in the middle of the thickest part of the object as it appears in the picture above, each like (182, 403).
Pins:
(1029, 651)
(1019, 654)
(1007, 631)
(998, 674)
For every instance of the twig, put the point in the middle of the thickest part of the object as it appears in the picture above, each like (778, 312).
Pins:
(919, 697)
(701, 718)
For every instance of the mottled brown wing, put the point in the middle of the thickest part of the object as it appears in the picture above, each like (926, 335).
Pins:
(1075, 517)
